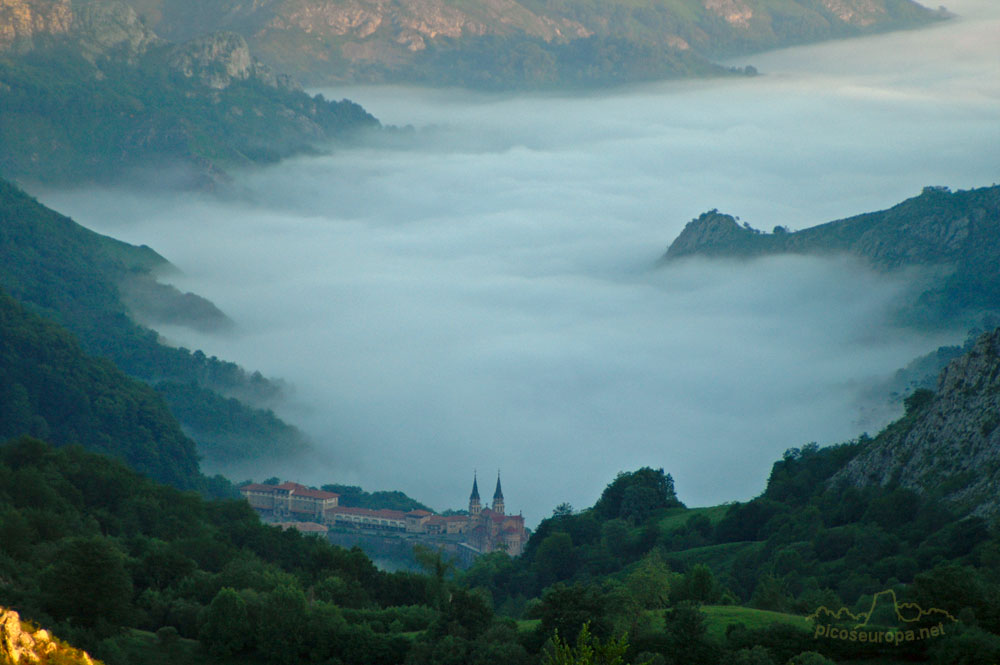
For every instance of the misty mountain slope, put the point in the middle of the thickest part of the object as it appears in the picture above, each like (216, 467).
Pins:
(955, 233)
(521, 43)
(948, 444)
(77, 278)
(50, 388)
(90, 93)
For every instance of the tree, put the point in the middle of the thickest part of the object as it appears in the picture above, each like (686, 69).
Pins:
(88, 583)
(435, 563)
(555, 559)
(567, 608)
(279, 634)
(465, 615)
(589, 650)
(770, 594)
(686, 636)
(810, 658)
(699, 585)
(635, 495)
(224, 627)
(649, 583)
(757, 655)
(564, 509)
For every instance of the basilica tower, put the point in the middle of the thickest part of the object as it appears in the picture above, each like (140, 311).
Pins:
(474, 506)
(498, 497)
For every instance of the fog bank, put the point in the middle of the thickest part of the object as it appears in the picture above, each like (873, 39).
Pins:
(483, 296)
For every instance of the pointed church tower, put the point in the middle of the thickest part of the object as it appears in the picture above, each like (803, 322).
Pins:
(498, 497)
(474, 506)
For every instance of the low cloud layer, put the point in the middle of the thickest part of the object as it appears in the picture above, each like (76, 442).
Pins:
(483, 296)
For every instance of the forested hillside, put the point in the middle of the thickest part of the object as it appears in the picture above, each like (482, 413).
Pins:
(824, 533)
(90, 93)
(50, 388)
(954, 236)
(108, 558)
(75, 278)
(90, 548)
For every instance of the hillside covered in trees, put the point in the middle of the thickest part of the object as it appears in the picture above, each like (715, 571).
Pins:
(77, 278)
(953, 236)
(136, 571)
(92, 94)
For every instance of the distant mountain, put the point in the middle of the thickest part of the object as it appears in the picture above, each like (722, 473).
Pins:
(93, 286)
(948, 444)
(88, 92)
(520, 43)
(954, 235)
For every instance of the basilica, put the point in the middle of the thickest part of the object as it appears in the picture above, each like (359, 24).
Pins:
(490, 529)
(480, 531)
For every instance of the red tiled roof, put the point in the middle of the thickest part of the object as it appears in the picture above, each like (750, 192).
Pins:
(456, 518)
(302, 490)
(419, 513)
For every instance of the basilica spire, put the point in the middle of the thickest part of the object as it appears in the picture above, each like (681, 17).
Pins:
(474, 506)
(498, 506)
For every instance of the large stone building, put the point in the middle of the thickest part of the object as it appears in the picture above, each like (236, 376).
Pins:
(490, 529)
(289, 500)
(482, 529)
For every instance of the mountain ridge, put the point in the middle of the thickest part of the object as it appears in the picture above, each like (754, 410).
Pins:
(955, 236)
(520, 43)
(92, 94)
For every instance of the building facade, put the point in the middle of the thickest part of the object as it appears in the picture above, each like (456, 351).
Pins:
(290, 500)
(482, 530)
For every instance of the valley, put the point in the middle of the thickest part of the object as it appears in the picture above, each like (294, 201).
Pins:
(728, 333)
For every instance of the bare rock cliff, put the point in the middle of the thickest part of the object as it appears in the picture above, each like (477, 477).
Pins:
(20, 644)
(111, 25)
(949, 444)
(22, 21)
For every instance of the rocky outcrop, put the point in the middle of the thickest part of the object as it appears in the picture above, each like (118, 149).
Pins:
(23, 21)
(327, 41)
(949, 443)
(97, 26)
(954, 236)
(937, 227)
(109, 25)
(20, 644)
(219, 59)
(711, 234)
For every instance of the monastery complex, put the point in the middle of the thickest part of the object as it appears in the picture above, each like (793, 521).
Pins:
(314, 511)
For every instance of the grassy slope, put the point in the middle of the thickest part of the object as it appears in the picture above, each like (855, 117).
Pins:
(674, 518)
(717, 619)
